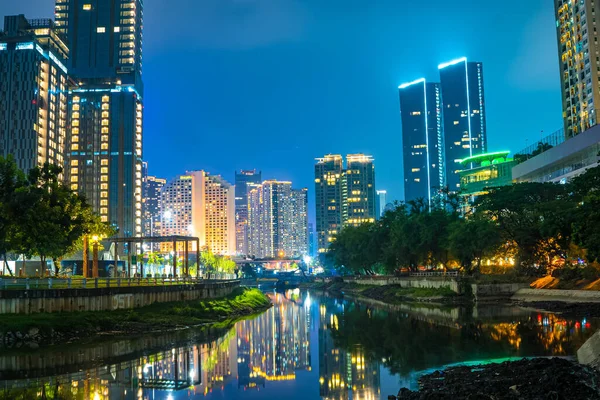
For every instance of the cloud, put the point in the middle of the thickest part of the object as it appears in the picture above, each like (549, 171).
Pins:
(536, 64)
(226, 24)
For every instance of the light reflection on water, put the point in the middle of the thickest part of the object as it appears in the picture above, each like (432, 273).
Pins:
(304, 347)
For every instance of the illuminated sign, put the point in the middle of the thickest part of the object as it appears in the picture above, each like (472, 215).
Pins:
(25, 46)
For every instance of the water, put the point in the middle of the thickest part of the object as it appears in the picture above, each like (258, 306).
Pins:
(305, 347)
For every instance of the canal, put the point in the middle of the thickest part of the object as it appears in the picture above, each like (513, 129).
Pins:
(306, 346)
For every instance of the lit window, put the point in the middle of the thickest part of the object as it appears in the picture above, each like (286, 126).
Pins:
(117, 29)
(87, 7)
(100, 29)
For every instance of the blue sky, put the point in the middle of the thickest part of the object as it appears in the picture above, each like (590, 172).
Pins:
(272, 84)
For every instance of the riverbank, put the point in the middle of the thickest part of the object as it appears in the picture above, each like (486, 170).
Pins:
(390, 294)
(539, 378)
(41, 329)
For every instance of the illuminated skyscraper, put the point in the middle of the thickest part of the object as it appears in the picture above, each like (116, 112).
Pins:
(202, 205)
(464, 115)
(105, 109)
(151, 202)
(360, 177)
(277, 220)
(578, 50)
(243, 181)
(331, 195)
(33, 92)
(422, 139)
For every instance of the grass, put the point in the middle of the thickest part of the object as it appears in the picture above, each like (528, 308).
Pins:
(158, 316)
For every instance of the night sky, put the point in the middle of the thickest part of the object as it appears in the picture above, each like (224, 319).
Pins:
(272, 84)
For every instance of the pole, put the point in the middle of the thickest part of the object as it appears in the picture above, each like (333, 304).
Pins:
(185, 259)
(174, 257)
(129, 258)
(86, 256)
(95, 259)
(197, 258)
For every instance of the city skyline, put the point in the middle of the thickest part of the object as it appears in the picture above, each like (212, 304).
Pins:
(375, 98)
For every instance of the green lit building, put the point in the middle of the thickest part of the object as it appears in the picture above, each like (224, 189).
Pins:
(484, 171)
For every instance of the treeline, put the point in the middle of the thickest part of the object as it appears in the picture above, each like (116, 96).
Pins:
(540, 226)
(40, 216)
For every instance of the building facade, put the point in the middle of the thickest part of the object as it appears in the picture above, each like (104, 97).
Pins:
(360, 177)
(380, 202)
(464, 115)
(422, 139)
(277, 220)
(331, 194)
(33, 92)
(104, 157)
(151, 205)
(201, 205)
(244, 180)
(579, 64)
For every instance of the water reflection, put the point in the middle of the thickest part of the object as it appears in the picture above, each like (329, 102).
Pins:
(364, 352)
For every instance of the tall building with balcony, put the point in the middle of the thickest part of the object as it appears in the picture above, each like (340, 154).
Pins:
(578, 51)
(277, 220)
(244, 179)
(422, 139)
(33, 92)
(464, 115)
(360, 177)
(201, 205)
(104, 146)
(331, 194)
(151, 207)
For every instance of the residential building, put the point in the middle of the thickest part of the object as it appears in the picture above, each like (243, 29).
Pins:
(277, 220)
(422, 139)
(312, 249)
(33, 92)
(201, 205)
(464, 115)
(331, 195)
(244, 179)
(106, 108)
(151, 207)
(360, 177)
(579, 63)
(380, 202)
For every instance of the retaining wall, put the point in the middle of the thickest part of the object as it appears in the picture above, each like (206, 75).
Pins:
(429, 282)
(567, 296)
(496, 290)
(107, 299)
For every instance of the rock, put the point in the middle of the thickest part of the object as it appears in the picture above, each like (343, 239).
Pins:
(33, 332)
(19, 335)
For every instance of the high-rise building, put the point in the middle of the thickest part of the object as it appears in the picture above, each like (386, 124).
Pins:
(312, 251)
(422, 139)
(463, 114)
(201, 205)
(578, 51)
(151, 202)
(243, 180)
(380, 202)
(360, 177)
(33, 92)
(105, 109)
(331, 195)
(277, 220)
(344, 196)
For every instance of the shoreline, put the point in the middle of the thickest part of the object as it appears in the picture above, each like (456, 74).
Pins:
(35, 330)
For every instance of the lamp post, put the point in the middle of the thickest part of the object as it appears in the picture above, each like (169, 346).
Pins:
(95, 240)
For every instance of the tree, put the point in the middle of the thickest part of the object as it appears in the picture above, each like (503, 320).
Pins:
(11, 179)
(471, 240)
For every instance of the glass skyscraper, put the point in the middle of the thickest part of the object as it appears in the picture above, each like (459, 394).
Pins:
(422, 139)
(104, 147)
(244, 181)
(463, 115)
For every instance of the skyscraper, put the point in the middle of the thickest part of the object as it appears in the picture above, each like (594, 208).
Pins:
(463, 114)
(243, 180)
(277, 220)
(33, 92)
(380, 202)
(360, 177)
(202, 205)
(151, 208)
(578, 50)
(331, 195)
(422, 139)
(106, 110)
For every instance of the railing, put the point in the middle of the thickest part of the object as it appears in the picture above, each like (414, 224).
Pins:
(453, 274)
(541, 146)
(89, 283)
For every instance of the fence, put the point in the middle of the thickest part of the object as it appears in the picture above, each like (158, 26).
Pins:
(452, 274)
(88, 283)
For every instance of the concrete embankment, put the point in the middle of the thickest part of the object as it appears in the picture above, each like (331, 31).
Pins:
(552, 295)
(108, 299)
